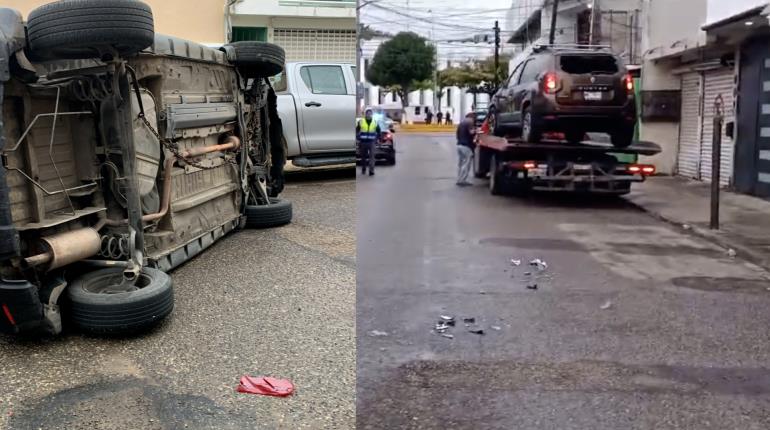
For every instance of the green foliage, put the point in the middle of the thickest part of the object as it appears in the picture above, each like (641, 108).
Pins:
(405, 61)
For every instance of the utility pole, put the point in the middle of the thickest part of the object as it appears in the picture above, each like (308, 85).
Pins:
(552, 35)
(593, 20)
(497, 54)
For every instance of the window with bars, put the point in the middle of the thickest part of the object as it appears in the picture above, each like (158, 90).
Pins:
(317, 45)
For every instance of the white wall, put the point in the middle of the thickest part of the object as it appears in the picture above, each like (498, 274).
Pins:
(273, 8)
(721, 9)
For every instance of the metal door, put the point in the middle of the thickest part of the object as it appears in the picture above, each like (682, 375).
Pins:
(688, 157)
(715, 83)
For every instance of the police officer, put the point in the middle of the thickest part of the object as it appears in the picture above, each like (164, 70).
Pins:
(367, 134)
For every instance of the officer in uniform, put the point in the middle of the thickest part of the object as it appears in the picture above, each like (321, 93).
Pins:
(367, 134)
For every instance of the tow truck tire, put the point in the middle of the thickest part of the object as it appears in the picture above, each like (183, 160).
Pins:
(277, 213)
(481, 162)
(98, 312)
(497, 185)
(258, 59)
(622, 138)
(530, 129)
(81, 29)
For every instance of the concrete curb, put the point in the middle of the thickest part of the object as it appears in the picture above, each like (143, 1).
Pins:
(718, 238)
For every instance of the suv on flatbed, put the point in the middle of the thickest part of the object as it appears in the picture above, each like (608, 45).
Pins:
(124, 154)
(570, 89)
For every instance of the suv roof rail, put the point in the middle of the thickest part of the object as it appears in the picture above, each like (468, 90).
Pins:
(540, 47)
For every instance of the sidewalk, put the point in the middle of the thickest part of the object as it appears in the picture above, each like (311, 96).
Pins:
(744, 220)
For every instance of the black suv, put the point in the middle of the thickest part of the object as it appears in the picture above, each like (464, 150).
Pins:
(572, 90)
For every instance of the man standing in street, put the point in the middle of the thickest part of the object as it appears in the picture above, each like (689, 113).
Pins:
(465, 145)
(367, 134)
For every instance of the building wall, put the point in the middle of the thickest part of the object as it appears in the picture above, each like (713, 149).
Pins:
(203, 23)
(336, 9)
(667, 23)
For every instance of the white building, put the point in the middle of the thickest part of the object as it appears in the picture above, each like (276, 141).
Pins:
(322, 30)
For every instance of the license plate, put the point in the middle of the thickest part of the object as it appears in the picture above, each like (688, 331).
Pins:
(582, 167)
(592, 95)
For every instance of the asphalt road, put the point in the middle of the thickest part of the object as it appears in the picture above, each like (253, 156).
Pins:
(634, 324)
(271, 302)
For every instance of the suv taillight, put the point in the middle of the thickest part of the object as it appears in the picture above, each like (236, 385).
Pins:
(550, 83)
(628, 83)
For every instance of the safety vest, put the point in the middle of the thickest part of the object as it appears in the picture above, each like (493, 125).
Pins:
(367, 132)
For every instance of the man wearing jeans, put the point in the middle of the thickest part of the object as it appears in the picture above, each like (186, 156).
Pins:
(465, 145)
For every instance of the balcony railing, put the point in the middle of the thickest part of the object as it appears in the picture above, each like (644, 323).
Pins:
(319, 3)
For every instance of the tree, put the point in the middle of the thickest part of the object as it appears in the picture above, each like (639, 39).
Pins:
(402, 62)
(449, 77)
(479, 77)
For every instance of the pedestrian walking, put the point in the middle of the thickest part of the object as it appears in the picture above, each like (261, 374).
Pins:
(439, 115)
(448, 118)
(466, 131)
(367, 135)
(428, 116)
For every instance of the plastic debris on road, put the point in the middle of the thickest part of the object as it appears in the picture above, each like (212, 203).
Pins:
(606, 305)
(470, 320)
(377, 333)
(731, 253)
(476, 331)
(266, 386)
(516, 262)
(540, 264)
(441, 327)
(686, 226)
(532, 286)
(447, 335)
(496, 327)
(448, 320)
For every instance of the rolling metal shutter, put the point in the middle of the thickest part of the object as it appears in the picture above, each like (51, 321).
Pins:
(720, 81)
(317, 45)
(690, 126)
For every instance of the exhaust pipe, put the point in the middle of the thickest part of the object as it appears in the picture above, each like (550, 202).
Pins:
(66, 248)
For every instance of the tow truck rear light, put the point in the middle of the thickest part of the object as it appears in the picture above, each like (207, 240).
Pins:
(644, 169)
(551, 83)
(529, 165)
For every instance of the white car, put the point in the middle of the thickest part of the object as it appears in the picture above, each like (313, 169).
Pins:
(316, 102)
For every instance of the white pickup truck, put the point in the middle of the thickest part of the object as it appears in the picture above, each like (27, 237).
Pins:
(316, 103)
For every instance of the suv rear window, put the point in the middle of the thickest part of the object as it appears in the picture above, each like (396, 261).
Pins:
(584, 64)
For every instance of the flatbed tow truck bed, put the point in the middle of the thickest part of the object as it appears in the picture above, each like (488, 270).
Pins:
(557, 165)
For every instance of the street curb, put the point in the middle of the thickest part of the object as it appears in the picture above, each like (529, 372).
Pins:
(742, 251)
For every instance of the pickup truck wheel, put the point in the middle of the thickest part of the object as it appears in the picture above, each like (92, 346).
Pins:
(480, 162)
(258, 59)
(100, 304)
(530, 129)
(79, 29)
(277, 213)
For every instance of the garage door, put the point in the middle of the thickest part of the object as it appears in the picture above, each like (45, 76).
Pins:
(716, 82)
(690, 128)
(317, 45)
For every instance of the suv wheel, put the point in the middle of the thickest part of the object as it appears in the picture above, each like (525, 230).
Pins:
(101, 304)
(68, 29)
(530, 130)
(258, 59)
(494, 126)
(622, 138)
(277, 213)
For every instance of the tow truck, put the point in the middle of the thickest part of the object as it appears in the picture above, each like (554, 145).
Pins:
(553, 164)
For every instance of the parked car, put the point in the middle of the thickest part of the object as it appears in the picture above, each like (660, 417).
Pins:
(315, 103)
(384, 149)
(124, 154)
(566, 89)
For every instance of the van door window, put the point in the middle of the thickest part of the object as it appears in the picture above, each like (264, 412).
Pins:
(324, 79)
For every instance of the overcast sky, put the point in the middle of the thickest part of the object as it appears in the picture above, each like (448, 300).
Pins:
(443, 21)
